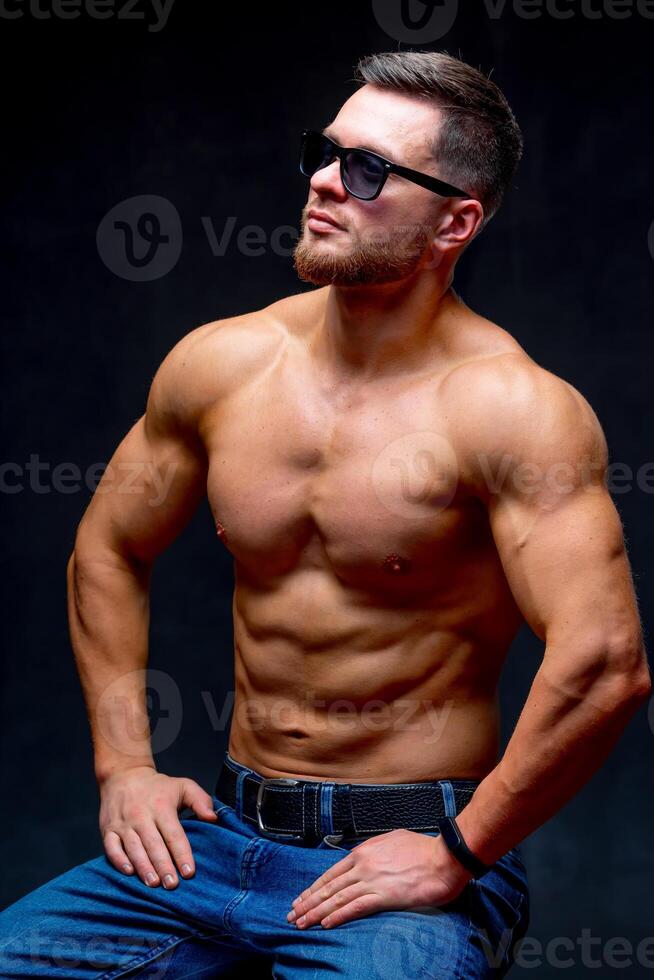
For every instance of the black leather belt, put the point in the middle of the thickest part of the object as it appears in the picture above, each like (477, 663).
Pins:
(292, 807)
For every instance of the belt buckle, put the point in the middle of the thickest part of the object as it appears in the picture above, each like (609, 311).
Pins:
(279, 780)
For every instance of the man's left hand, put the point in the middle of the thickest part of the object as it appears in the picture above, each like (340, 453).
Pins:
(401, 869)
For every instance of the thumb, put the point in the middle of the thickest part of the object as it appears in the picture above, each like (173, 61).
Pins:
(198, 800)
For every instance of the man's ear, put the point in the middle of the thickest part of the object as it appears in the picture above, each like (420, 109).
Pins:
(460, 224)
(454, 230)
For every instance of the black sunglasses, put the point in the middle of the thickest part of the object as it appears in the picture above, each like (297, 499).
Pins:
(363, 172)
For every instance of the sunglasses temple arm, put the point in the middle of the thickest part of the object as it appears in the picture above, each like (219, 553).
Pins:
(431, 183)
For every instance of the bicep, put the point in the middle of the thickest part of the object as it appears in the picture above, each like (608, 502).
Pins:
(565, 560)
(537, 458)
(151, 487)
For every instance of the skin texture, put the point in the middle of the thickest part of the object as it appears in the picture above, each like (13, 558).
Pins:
(401, 487)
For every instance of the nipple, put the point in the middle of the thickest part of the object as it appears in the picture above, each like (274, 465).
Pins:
(220, 531)
(396, 565)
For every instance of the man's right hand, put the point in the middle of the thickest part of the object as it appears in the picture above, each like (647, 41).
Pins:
(140, 825)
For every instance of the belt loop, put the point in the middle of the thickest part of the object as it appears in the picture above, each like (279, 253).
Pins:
(326, 815)
(346, 805)
(238, 802)
(448, 797)
(314, 794)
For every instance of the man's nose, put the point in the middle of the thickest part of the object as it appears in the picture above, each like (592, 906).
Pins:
(327, 180)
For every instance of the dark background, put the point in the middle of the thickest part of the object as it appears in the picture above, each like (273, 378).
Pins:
(206, 113)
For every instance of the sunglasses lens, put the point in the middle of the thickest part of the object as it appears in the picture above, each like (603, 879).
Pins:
(363, 174)
(315, 152)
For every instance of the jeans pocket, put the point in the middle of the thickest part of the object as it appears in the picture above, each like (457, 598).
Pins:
(327, 844)
(219, 806)
(347, 843)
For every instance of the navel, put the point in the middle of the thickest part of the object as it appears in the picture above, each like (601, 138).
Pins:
(396, 565)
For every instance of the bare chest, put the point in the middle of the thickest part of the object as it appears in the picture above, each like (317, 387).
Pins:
(364, 483)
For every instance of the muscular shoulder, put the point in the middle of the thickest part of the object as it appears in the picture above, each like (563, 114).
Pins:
(512, 416)
(208, 362)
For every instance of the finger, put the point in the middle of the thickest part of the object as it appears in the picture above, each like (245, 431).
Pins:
(158, 854)
(198, 800)
(334, 871)
(321, 908)
(116, 853)
(314, 896)
(177, 843)
(358, 908)
(139, 858)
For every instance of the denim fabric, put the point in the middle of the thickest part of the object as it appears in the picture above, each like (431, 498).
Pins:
(93, 921)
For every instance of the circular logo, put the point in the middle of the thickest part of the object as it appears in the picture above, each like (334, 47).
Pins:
(124, 727)
(415, 21)
(416, 475)
(140, 239)
(409, 944)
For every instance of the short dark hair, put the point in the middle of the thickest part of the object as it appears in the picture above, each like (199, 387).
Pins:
(479, 144)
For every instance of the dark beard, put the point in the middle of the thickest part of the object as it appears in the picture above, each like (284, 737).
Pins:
(367, 262)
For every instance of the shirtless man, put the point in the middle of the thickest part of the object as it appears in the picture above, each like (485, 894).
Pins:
(401, 486)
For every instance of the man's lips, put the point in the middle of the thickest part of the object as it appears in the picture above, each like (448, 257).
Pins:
(321, 221)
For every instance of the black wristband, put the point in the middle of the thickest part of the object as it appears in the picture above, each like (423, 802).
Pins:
(454, 839)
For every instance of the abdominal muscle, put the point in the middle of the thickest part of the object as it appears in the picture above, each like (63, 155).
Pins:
(330, 687)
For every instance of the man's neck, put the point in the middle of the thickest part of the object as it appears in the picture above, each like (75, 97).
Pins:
(370, 331)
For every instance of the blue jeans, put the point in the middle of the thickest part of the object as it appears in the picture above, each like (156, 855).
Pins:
(93, 921)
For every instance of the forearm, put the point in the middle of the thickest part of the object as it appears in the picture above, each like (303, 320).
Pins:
(108, 613)
(568, 726)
